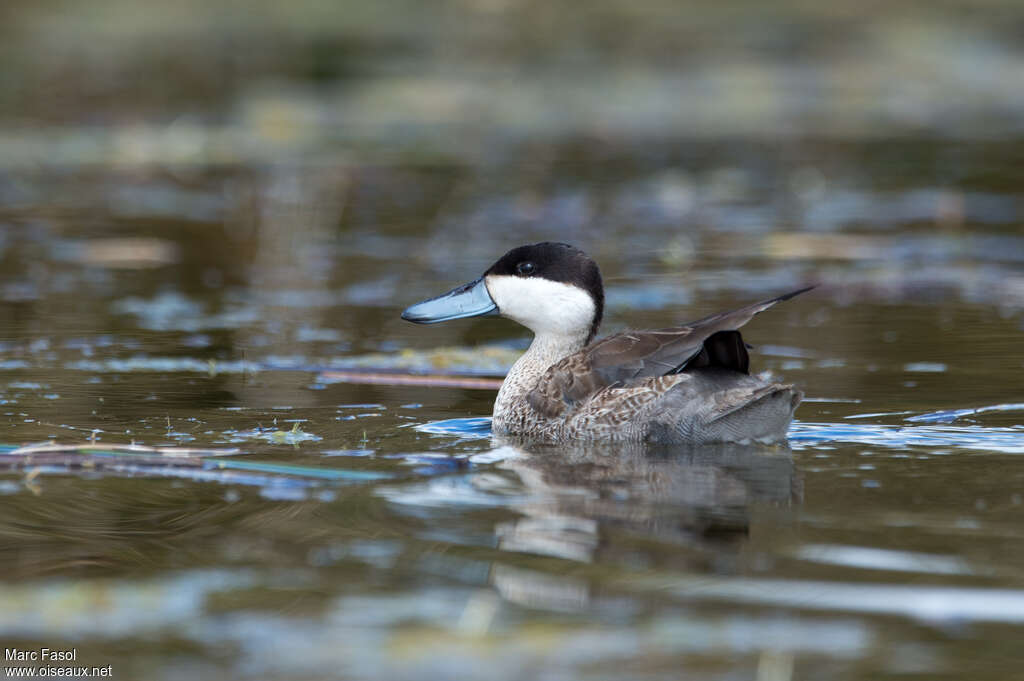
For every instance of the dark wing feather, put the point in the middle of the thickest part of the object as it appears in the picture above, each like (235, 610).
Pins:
(632, 355)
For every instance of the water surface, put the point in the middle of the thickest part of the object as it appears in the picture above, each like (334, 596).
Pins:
(190, 265)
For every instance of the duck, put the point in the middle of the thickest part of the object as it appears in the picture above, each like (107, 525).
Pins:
(687, 384)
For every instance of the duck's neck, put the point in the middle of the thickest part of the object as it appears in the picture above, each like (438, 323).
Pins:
(511, 407)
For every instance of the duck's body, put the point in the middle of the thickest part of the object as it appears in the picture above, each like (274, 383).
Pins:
(686, 384)
(696, 407)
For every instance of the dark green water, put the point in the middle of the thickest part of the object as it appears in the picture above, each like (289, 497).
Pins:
(184, 263)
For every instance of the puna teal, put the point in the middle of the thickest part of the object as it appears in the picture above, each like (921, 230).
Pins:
(688, 384)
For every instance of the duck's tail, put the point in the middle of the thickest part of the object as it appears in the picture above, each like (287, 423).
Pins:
(717, 405)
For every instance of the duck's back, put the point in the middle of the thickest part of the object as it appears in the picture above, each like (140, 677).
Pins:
(685, 384)
(697, 407)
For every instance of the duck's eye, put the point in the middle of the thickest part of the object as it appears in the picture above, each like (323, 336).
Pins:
(525, 268)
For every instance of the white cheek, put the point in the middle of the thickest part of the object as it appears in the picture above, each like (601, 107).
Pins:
(542, 305)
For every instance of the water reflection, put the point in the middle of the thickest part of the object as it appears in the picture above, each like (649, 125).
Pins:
(624, 503)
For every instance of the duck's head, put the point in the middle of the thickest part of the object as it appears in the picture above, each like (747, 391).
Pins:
(550, 288)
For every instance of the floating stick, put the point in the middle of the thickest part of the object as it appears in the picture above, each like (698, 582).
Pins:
(424, 380)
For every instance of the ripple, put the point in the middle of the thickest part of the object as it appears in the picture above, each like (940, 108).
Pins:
(1005, 440)
(929, 603)
(473, 490)
(467, 428)
(1008, 440)
(925, 367)
(867, 558)
(949, 415)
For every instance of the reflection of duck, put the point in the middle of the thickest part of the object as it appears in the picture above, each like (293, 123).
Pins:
(684, 384)
(635, 504)
(690, 495)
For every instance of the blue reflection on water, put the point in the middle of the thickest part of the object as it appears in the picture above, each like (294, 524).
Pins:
(950, 415)
(1006, 440)
(806, 435)
(476, 427)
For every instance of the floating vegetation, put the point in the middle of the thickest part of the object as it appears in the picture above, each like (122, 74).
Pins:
(294, 436)
(301, 471)
(211, 465)
(421, 380)
(13, 455)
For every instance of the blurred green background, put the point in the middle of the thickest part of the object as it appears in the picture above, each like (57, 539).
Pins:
(222, 82)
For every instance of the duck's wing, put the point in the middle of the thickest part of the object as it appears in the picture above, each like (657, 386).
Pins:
(626, 357)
